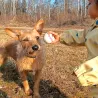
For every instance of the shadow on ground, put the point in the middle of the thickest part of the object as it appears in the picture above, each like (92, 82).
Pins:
(47, 88)
(3, 94)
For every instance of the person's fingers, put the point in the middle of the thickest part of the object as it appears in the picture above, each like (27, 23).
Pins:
(51, 32)
(54, 34)
(56, 39)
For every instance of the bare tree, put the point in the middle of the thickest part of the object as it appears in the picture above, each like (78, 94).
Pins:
(58, 12)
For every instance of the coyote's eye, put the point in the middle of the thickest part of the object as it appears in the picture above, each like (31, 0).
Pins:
(37, 37)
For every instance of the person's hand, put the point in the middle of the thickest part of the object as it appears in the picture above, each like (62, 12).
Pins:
(55, 35)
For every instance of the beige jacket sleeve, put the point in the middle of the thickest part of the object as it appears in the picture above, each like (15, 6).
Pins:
(73, 37)
(87, 72)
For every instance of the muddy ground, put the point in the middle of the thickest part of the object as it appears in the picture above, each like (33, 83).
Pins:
(57, 79)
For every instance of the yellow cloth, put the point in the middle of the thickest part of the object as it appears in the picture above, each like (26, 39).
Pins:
(87, 72)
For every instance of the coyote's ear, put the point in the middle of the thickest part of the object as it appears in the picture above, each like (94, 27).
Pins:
(12, 33)
(39, 26)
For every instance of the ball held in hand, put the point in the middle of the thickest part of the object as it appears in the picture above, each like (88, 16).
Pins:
(49, 38)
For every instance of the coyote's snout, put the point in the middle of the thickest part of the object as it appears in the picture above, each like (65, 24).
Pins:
(27, 50)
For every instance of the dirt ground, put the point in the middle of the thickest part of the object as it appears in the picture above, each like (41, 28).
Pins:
(57, 79)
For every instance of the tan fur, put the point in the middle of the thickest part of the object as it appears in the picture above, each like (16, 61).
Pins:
(26, 58)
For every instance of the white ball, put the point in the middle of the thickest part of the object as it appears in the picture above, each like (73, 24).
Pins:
(49, 38)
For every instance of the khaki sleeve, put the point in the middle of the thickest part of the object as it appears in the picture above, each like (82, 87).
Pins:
(73, 37)
(87, 72)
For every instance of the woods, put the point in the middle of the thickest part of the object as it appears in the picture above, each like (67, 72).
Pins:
(58, 79)
(58, 12)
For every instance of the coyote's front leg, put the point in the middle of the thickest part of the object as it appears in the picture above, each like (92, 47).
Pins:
(36, 85)
(26, 86)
